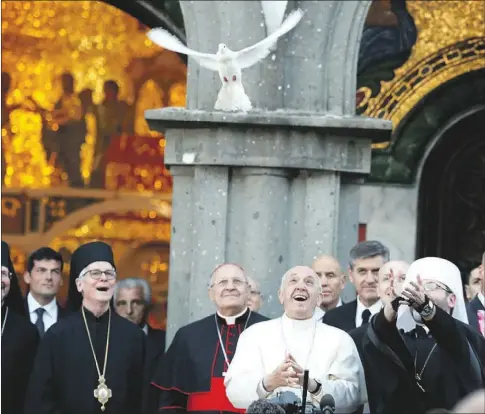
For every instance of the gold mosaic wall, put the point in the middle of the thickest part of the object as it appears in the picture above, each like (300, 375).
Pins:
(95, 42)
(440, 24)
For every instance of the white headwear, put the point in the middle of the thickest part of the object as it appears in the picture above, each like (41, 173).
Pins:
(440, 270)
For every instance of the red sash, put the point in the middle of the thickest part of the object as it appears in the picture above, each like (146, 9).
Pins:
(214, 400)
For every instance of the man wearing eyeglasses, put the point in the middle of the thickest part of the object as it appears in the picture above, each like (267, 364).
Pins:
(255, 300)
(419, 351)
(44, 279)
(190, 376)
(90, 362)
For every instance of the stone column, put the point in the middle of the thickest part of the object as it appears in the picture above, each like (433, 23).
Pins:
(263, 189)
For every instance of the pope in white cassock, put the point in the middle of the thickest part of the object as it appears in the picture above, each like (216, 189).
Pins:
(271, 356)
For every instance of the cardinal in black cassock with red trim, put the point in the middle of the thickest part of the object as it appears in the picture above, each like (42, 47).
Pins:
(190, 376)
(19, 340)
(92, 361)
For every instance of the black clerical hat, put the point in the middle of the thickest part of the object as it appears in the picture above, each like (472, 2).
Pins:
(14, 299)
(82, 257)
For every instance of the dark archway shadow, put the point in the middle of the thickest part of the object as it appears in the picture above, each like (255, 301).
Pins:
(451, 204)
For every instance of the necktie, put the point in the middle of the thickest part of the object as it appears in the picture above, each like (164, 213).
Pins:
(39, 323)
(365, 316)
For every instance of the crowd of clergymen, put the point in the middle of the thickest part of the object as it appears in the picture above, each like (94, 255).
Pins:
(409, 343)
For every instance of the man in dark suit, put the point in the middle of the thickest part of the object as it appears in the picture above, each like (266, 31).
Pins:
(476, 308)
(132, 299)
(333, 281)
(391, 270)
(44, 279)
(366, 258)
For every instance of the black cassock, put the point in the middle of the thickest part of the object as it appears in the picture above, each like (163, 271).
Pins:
(65, 375)
(391, 360)
(190, 374)
(19, 346)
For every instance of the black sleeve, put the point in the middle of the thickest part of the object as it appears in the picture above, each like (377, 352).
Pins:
(445, 330)
(169, 376)
(136, 373)
(388, 333)
(40, 395)
(25, 368)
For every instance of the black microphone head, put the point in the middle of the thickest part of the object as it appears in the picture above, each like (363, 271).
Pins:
(327, 402)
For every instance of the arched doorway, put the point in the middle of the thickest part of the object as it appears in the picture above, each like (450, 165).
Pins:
(451, 206)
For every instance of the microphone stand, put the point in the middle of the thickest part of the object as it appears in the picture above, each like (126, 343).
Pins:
(304, 391)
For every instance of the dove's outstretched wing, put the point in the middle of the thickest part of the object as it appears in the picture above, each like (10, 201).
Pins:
(168, 41)
(253, 54)
(274, 12)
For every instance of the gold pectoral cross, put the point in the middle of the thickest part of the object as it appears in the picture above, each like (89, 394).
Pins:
(102, 393)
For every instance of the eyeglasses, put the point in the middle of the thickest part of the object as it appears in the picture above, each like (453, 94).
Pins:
(96, 274)
(6, 275)
(430, 286)
(224, 282)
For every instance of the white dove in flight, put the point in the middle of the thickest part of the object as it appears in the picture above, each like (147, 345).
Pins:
(228, 63)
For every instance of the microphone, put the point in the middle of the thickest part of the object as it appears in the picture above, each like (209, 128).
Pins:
(327, 404)
(304, 391)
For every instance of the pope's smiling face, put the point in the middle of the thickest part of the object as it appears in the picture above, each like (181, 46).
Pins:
(300, 292)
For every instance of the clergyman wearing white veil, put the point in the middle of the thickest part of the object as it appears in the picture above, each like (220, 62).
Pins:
(422, 353)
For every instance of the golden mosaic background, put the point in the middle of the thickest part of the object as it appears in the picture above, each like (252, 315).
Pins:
(95, 42)
(440, 24)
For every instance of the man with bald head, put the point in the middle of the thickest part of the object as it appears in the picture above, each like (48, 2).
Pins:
(255, 299)
(332, 280)
(271, 356)
(394, 271)
(190, 376)
(419, 352)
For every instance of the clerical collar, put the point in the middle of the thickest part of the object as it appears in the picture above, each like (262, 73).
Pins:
(92, 318)
(298, 324)
(235, 319)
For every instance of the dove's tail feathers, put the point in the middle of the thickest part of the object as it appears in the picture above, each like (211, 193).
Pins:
(163, 38)
(253, 54)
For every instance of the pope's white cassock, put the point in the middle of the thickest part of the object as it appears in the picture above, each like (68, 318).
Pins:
(328, 353)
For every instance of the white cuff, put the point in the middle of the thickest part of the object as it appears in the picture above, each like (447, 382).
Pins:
(262, 393)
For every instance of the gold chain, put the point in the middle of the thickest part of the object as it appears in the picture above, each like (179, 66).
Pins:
(5, 320)
(91, 343)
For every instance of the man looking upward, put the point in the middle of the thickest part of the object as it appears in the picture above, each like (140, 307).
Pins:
(271, 356)
(190, 376)
(90, 362)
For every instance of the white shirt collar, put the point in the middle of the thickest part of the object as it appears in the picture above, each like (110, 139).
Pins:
(145, 329)
(319, 313)
(231, 320)
(50, 308)
(375, 308)
(481, 298)
(297, 324)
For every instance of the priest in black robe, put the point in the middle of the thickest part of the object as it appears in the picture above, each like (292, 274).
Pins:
(190, 376)
(436, 358)
(19, 340)
(90, 362)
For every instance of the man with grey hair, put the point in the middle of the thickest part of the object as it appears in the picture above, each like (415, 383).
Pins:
(133, 301)
(366, 258)
(190, 376)
(272, 356)
(91, 361)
